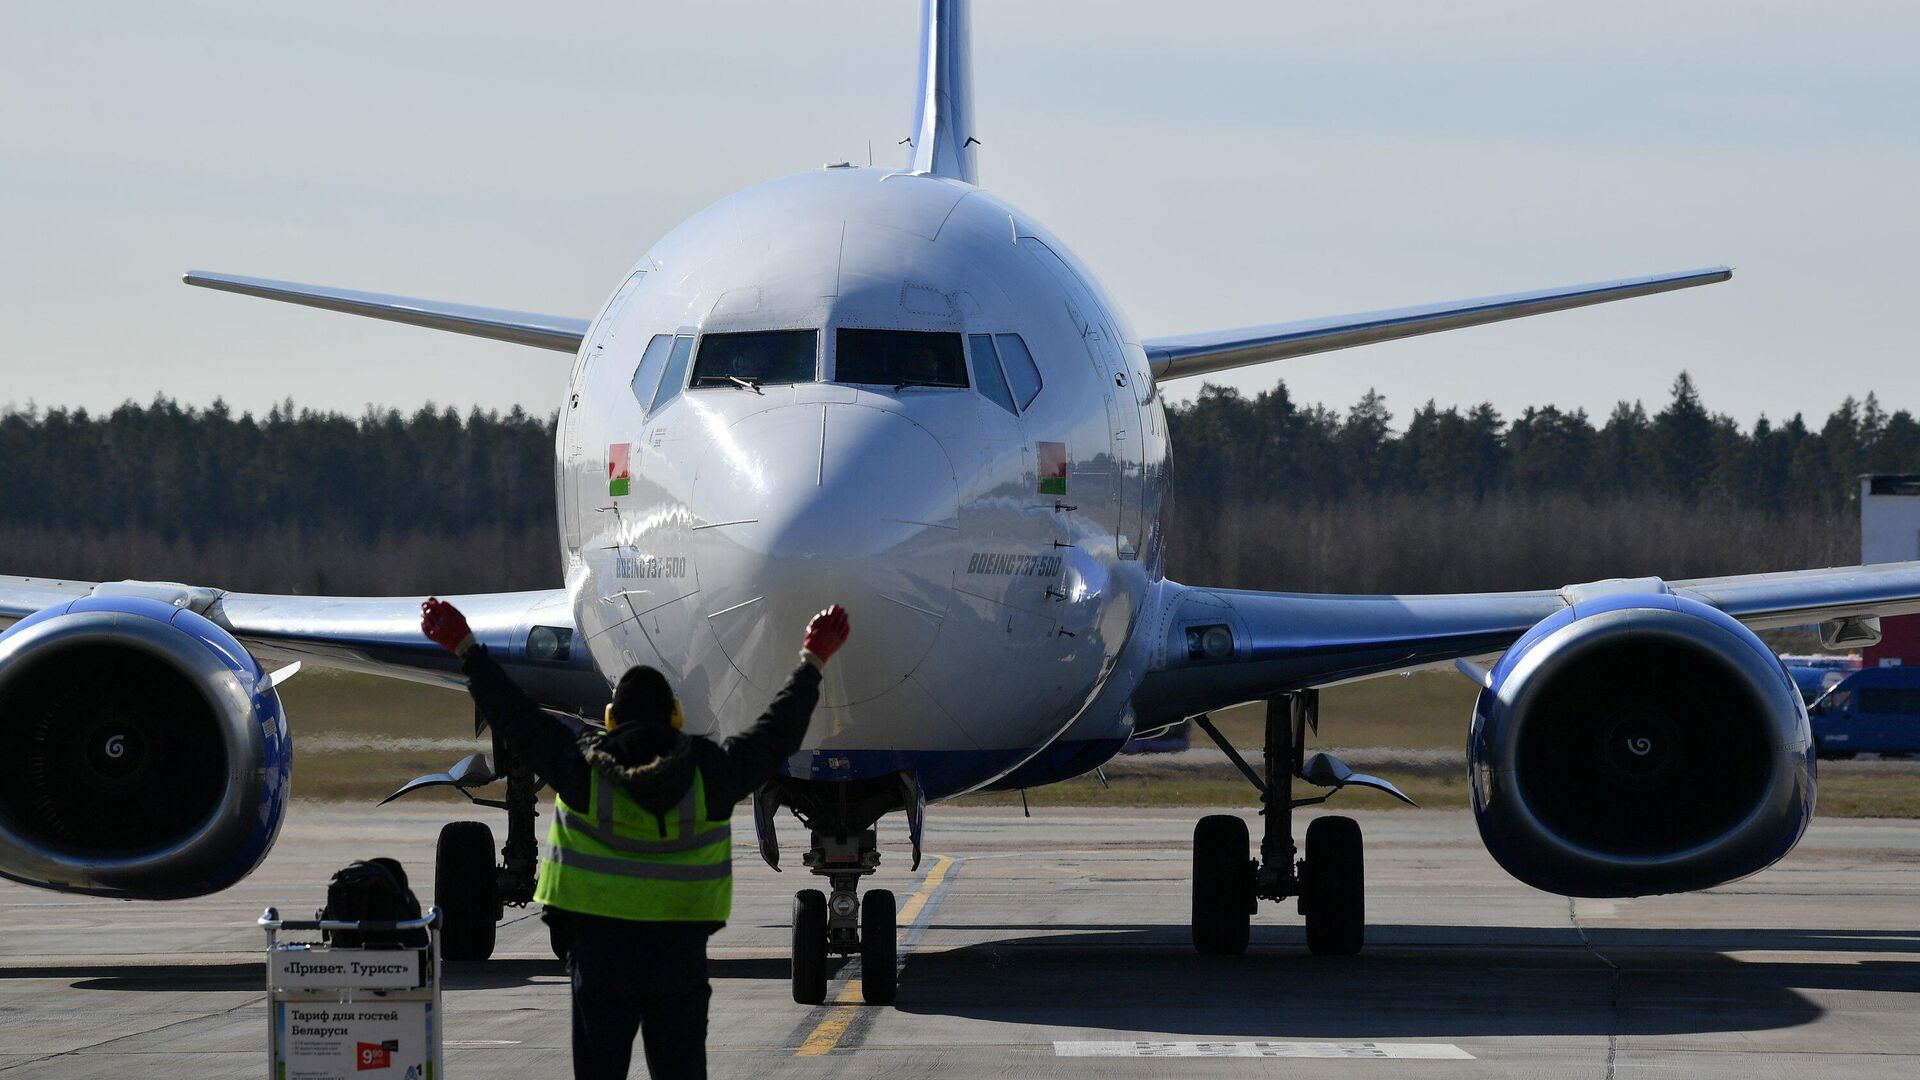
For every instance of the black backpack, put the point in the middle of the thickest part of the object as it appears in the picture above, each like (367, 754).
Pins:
(373, 889)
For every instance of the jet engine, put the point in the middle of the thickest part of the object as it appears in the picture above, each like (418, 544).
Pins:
(143, 752)
(1639, 744)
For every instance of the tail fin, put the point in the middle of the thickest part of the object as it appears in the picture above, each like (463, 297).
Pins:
(943, 131)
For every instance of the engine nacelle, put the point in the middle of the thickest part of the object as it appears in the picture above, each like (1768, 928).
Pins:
(1640, 744)
(143, 752)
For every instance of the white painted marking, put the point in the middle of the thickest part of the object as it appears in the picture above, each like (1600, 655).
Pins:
(1264, 1049)
(468, 1044)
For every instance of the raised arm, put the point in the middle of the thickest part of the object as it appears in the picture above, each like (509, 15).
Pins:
(753, 757)
(548, 745)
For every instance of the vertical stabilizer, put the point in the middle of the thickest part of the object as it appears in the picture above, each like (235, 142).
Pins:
(943, 139)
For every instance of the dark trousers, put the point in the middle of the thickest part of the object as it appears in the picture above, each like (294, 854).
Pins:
(638, 976)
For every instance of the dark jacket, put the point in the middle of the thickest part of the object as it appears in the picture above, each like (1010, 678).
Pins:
(653, 762)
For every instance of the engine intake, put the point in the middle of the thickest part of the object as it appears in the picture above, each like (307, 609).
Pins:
(143, 752)
(1639, 744)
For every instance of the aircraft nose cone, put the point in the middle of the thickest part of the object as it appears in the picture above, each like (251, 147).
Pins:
(808, 505)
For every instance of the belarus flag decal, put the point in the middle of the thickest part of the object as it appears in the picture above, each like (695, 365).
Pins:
(619, 475)
(1053, 467)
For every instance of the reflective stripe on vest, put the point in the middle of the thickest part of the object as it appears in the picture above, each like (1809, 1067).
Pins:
(635, 868)
(623, 861)
(601, 827)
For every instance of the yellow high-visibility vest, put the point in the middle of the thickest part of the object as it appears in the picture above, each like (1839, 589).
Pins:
(623, 861)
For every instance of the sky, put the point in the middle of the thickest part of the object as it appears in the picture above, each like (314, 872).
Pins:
(1216, 163)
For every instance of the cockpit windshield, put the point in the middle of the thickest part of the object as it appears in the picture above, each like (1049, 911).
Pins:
(899, 358)
(756, 358)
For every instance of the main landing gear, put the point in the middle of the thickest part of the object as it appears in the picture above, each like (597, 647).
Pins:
(839, 815)
(1327, 880)
(472, 886)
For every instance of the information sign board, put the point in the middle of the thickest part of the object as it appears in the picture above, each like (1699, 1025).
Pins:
(323, 1040)
(361, 969)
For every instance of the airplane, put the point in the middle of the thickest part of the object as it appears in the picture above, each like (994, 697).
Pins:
(887, 388)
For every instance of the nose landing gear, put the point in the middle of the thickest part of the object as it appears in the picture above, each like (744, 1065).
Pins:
(844, 923)
(841, 922)
(1328, 883)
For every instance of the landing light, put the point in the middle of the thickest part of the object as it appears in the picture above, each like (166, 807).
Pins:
(1213, 642)
(553, 644)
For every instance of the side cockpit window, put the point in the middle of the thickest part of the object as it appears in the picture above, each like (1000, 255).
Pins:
(663, 368)
(899, 358)
(757, 358)
(986, 372)
(1023, 375)
(646, 377)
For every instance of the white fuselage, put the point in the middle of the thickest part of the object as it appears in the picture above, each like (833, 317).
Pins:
(992, 602)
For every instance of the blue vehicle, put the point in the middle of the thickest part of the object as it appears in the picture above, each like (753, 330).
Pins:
(1875, 710)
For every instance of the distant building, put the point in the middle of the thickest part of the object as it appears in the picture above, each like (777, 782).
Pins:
(1890, 532)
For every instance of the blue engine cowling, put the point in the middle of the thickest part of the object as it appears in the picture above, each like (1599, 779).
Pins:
(143, 752)
(1639, 744)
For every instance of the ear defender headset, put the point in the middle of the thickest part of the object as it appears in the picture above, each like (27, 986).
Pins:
(677, 719)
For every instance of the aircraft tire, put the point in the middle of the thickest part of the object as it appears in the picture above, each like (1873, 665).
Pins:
(1222, 886)
(879, 975)
(809, 947)
(1334, 896)
(465, 888)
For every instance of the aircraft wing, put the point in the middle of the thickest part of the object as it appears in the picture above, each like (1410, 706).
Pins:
(557, 332)
(22, 596)
(1219, 350)
(530, 633)
(1291, 641)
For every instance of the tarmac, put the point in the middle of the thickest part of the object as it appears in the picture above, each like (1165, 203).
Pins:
(1058, 946)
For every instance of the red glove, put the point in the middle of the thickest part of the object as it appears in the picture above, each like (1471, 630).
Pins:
(445, 626)
(825, 634)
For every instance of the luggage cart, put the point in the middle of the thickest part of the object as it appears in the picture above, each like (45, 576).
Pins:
(353, 1012)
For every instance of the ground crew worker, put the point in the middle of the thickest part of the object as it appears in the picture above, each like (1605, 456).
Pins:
(638, 862)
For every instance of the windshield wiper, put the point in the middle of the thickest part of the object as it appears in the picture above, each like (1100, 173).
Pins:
(745, 384)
